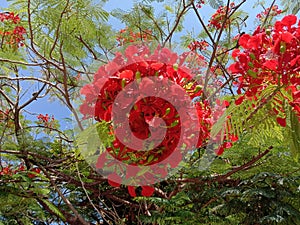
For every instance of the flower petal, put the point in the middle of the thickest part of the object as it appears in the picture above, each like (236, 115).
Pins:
(147, 191)
(289, 20)
(220, 151)
(287, 37)
(114, 180)
(271, 64)
(131, 191)
(281, 121)
(239, 100)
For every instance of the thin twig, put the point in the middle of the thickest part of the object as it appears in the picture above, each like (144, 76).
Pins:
(223, 177)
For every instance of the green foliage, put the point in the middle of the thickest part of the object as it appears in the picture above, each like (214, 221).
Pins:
(264, 199)
(256, 119)
(144, 17)
(69, 27)
(93, 141)
(250, 196)
(292, 7)
(294, 135)
(16, 208)
(54, 209)
(176, 210)
(215, 3)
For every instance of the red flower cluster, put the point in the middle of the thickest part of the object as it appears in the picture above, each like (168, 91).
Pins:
(126, 36)
(270, 57)
(223, 140)
(10, 16)
(33, 172)
(220, 17)
(4, 115)
(9, 171)
(143, 118)
(147, 191)
(274, 11)
(145, 114)
(198, 45)
(200, 3)
(11, 32)
(46, 120)
(156, 90)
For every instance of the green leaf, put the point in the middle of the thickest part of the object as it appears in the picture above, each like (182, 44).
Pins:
(92, 141)
(295, 136)
(53, 208)
(169, 8)
(252, 73)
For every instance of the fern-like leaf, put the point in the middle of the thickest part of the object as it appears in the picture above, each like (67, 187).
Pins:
(215, 3)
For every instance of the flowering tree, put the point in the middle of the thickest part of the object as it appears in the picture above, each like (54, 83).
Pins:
(163, 126)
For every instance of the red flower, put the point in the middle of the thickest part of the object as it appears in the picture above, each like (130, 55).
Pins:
(33, 172)
(287, 37)
(6, 171)
(151, 118)
(227, 145)
(220, 151)
(239, 100)
(227, 104)
(128, 35)
(13, 35)
(268, 58)
(101, 160)
(271, 64)
(270, 12)
(175, 158)
(131, 191)
(147, 191)
(21, 167)
(114, 180)
(235, 68)
(281, 121)
(233, 138)
(138, 125)
(289, 20)
(127, 74)
(244, 39)
(220, 17)
(147, 85)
